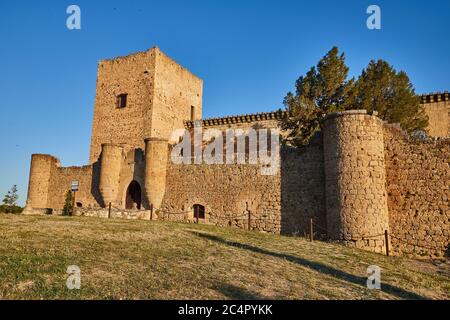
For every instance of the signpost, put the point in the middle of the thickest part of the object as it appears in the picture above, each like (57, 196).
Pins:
(74, 186)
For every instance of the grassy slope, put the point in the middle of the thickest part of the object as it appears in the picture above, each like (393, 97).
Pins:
(164, 260)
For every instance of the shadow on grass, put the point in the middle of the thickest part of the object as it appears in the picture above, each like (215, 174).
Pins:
(319, 267)
(237, 293)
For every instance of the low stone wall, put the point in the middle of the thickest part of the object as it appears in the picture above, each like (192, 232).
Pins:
(30, 211)
(115, 213)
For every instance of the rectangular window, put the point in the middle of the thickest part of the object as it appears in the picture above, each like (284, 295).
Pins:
(121, 100)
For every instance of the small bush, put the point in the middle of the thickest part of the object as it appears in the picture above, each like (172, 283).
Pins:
(10, 209)
(68, 203)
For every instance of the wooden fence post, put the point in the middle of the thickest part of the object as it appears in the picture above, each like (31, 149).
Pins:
(311, 231)
(151, 211)
(386, 242)
(109, 210)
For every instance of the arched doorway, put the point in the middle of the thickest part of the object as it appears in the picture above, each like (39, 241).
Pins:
(133, 198)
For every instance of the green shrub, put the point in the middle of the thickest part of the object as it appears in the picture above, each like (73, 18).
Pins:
(68, 203)
(10, 209)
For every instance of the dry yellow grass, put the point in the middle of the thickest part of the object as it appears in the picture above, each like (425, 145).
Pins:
(123, 259)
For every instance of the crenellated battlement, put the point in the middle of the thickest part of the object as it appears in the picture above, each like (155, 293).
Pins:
(437, 108)
(434, 97)
(244, 118)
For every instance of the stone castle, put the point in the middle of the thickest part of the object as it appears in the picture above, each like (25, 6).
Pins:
(356, 179)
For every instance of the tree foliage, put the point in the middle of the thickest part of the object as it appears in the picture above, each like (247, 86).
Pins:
(381, 88)
(325, 89)
(10, 201)
(10, 209)
(68, 204)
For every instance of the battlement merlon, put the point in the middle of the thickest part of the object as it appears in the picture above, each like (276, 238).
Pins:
(434, 97)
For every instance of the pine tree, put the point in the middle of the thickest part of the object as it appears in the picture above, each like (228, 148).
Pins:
(10, 199)
(324, 89)
(381, 88)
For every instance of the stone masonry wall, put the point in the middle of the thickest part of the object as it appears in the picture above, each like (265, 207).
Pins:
(176, 91)
(280, 203)
(437, 108)
(303, 189)
(418, 187)
(133, 75)
(40, 179)
(228, 192)
(114, 214)
(160, 94)
(272, 123)
(356, 201)
(60, 183)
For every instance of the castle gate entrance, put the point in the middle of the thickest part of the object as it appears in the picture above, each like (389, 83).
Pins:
(133, 198)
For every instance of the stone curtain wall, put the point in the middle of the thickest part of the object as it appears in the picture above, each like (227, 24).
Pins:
(262, 124)
(60, 183)
(228, 192)
(303, 189)
(418, 186)
(282, 203)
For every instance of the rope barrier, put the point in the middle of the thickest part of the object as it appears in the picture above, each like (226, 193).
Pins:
(230, 217)
(263, 219)
(169, 213)
(362, 237)
(417, 245)
(367, 237)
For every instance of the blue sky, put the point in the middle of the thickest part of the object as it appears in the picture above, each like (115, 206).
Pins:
(248, 53)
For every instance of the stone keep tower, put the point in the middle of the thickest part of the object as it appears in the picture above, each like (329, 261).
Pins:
(142, 95)
(140, 100)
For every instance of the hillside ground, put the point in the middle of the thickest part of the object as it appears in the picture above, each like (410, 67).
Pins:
(125, 259)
